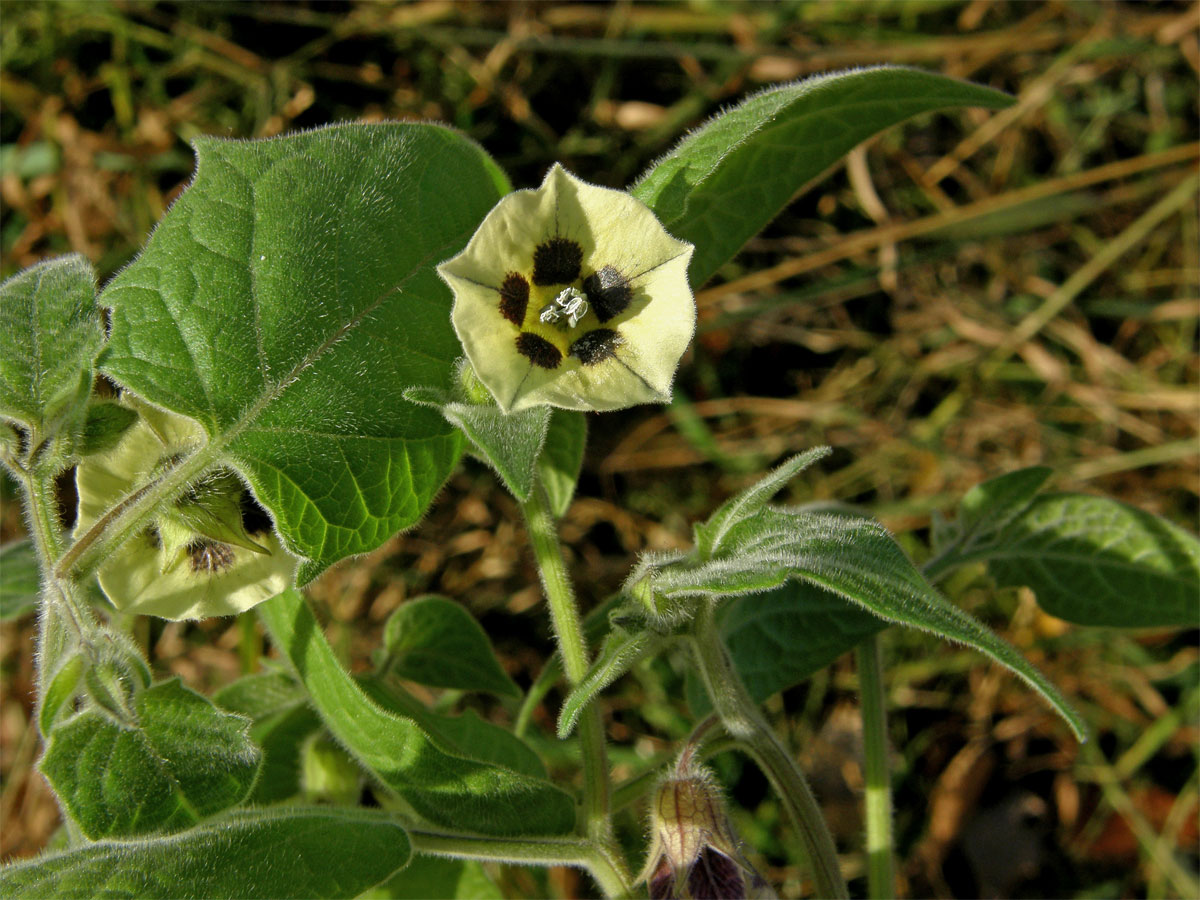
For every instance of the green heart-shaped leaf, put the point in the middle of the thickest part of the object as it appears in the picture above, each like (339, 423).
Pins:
(434, 641)
(184, 761)
(288, 299)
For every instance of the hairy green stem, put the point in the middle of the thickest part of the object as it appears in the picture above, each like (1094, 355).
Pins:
(549, 851)
(744, 722)
(568, 626)
(63, 622)
(572, 647)
(537, 692)
(595, 626)
(881, 876)
(43, 518)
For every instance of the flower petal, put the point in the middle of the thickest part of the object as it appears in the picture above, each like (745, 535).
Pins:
(548, 249)
(174, 570)
(210, 579)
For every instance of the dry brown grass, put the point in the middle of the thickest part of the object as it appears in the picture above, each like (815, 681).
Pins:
(970, 293)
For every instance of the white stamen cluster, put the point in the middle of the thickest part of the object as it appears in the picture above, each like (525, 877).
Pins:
(569, 305)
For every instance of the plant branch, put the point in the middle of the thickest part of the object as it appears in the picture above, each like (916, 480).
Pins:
(63, 622)
(744, 722)
(544, 851)
(572, 647)
(881, 875)
(546, 679)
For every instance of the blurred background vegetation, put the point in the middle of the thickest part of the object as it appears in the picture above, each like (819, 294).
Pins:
(970, 293)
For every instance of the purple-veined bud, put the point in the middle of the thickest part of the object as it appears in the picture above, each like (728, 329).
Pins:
(694, 851)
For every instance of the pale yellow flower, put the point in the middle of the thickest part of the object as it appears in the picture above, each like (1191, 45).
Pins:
(210, 553)
(575, 296)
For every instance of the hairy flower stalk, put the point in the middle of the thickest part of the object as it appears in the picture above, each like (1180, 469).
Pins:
(575, 296)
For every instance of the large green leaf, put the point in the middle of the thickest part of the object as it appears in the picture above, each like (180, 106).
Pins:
(725, 181)
(438, 878)
(780, 638)
(19, 579)
(50, 333)
(182, 760)
(446, 788)
(1095, 561)
(434, 641)
(848, 556)
(288, 299)
(289, 852)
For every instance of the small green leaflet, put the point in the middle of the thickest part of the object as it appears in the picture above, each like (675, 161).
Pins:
(508, 442)
(621, 650)
(184, 761)
(711, 534)
(433, 640)
(50, 333)
(447, 789)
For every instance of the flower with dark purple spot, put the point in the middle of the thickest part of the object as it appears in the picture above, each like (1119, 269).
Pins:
(572, 295)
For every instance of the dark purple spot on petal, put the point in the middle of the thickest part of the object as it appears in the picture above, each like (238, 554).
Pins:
(209, 556)
(596, 346)
(514, 297)
(538, 350)
(556, 261)
(608, 291)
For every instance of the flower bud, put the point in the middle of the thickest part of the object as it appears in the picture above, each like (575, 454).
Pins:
(327, 772)
(694, 851)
